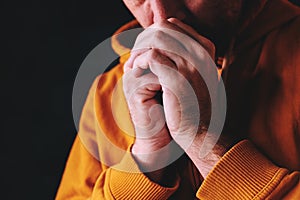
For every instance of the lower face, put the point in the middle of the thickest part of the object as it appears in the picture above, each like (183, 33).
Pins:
(213, 19)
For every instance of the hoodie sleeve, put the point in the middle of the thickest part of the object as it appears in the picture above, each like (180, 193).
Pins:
(85, 177)
(244, 173)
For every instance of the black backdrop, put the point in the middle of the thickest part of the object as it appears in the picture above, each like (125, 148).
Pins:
(43, 44)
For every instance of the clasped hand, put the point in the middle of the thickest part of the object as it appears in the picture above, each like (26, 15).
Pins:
(165, 84)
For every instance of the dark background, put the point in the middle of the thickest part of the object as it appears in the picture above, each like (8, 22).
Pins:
(43, 43)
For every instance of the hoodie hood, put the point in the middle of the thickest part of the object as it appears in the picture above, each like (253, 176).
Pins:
(262, 19)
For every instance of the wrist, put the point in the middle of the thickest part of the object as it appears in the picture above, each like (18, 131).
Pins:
(205, 163)
(147, 152)
(152, 157)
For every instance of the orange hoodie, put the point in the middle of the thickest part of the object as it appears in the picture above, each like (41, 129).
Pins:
(262, 80)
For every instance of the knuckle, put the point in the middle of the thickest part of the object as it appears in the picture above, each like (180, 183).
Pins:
(158, 35)
(153, 54)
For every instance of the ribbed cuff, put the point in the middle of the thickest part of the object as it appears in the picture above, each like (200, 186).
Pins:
(242, 173)
(128, 184)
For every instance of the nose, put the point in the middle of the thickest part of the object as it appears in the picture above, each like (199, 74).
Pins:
(164, 9)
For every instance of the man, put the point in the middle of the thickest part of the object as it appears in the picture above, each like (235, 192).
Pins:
(256, 45)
